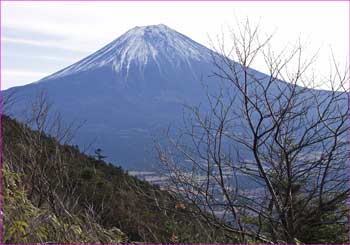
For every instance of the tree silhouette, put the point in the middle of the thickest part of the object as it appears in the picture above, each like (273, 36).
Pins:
(99, 155)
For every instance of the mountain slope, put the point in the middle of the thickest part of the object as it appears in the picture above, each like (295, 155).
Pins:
(130, 91)
(127, 91)
(53, 193)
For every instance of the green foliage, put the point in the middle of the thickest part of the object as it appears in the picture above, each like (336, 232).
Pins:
(25, 223)
(87, 174)
(324, 230)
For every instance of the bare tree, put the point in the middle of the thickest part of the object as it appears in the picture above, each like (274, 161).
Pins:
(43, 160)
(41, 165)
(279, 132)
(42, 117)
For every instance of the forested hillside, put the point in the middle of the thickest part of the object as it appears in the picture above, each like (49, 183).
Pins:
(53, 193)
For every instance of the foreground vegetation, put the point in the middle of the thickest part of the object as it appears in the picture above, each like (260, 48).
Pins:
(53, 193)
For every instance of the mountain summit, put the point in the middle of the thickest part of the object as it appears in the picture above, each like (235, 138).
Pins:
(127, 91)
(157, 45)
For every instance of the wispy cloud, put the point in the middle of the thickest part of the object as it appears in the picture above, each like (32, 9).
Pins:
(26, 33)
(40, 57)
(50, 44)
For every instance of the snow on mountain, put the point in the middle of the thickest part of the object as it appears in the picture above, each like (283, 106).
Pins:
(127, 92)
(139, 46)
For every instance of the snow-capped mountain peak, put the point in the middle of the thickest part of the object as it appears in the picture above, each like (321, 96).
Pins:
(156, 44)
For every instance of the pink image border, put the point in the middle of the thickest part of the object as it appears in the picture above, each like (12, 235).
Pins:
(1, 142)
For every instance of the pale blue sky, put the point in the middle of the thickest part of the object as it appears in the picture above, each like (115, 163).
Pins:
(39, 38)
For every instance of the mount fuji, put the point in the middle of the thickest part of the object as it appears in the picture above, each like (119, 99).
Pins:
(127, 91)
